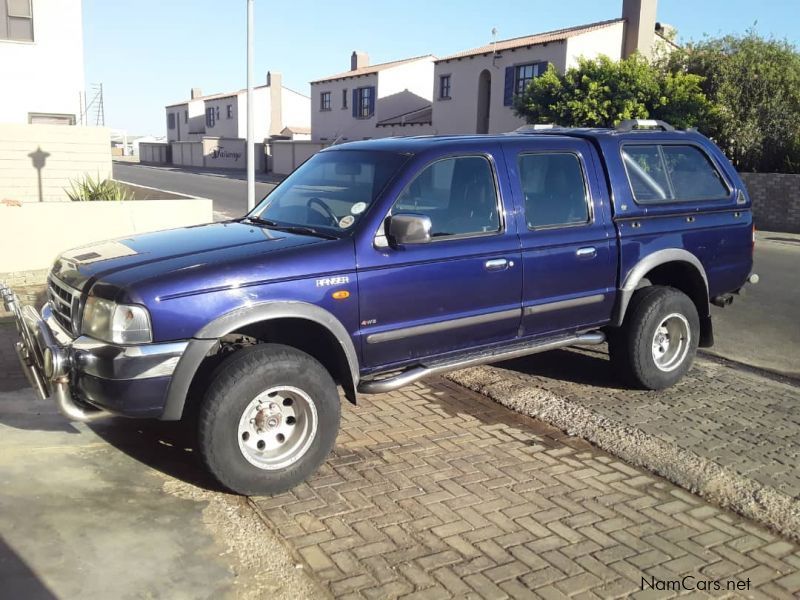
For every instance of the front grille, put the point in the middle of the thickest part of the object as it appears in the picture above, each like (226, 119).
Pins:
(64, 302)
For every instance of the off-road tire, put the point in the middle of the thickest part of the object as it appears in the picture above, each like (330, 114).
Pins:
(236, 382)
(631, 346)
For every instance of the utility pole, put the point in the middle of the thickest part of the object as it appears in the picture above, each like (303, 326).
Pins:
(251, 155)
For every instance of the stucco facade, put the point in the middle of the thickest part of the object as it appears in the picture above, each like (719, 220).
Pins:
(225, 115)
(399, 87)
(481, 77)
(42, 77)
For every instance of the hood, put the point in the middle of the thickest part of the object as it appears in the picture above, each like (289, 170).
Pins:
(155, 253)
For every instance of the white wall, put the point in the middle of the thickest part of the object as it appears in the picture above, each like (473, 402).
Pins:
(607, 41)
(459, 114)
(45, 75)
(296, 108)
(68, 153)
(38, 231)
(404, 88)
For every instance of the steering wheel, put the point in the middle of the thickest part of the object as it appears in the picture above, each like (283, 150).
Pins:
(325, 209)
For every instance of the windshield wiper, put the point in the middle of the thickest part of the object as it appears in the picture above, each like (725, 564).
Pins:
(303, 230)
(261, 221)
(300, 229)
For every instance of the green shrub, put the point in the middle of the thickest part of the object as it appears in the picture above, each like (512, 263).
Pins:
(89, 189)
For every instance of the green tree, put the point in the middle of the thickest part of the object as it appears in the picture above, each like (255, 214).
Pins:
(601, 92)
(754, 84)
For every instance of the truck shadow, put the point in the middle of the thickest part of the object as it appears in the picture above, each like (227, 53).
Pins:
(166, 446)
(583, 366)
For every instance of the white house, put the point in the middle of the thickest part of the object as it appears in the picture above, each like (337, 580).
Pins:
(475, 88)
(41, 61)
(371, 101)
(225, 115)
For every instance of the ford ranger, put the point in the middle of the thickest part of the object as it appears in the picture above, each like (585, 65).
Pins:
(377, 263)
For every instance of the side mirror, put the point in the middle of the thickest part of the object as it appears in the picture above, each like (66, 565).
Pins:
(409, 229)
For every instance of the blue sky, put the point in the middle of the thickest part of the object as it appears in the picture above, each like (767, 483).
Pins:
(149, 53)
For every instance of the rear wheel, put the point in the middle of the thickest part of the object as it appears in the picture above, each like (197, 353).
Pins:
(657, 343)
(268, 420)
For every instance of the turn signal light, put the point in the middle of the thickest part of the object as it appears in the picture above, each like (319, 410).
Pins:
(341, 295)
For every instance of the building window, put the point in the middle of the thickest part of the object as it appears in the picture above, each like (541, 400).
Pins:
(16, 20)
(229, 110)
(444, 87)
(344, 98)
(325, 101)
(50, 119)
(216, 113)
(186, 116)
(524, 74)
(365, 102)
(171, 121)
(210, 117)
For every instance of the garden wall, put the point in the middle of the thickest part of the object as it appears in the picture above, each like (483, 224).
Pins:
(776, 200)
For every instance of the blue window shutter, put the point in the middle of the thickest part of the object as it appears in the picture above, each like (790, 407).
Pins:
(355, 102)
(372, 100)
(508, 89)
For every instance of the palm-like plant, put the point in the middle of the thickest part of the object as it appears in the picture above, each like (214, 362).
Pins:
(89, 189)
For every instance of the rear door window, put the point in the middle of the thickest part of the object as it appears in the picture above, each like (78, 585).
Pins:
(554, 188)
(671, 173)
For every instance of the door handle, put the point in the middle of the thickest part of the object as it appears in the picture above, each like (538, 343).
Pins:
(587, 252)
(497, 264)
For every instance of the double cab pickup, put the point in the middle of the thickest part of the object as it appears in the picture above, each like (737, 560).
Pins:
(380, 262)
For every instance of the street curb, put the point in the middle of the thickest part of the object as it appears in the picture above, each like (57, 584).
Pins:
(699, 475)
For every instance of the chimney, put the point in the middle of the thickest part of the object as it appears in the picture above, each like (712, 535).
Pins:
(275, 83)
(358, 60)
(196, 93)
(640, 26)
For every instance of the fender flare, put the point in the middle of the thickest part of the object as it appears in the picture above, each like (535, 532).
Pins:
(208, 337)
(644, 266)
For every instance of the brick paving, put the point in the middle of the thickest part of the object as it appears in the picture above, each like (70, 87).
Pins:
(738, 419)
(438, 492)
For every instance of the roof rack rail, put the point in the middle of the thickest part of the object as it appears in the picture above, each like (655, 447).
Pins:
(535, 127)
(633, 124)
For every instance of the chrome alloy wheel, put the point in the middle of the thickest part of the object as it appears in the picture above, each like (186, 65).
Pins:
(671, 342)
(277, 428)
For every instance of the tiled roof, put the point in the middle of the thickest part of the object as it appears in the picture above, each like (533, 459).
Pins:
(420, 116)
(531, 40)
(215, 96)
(297, 129)
(371, 69)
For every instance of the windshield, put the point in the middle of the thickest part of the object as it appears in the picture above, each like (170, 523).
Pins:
(329, 192)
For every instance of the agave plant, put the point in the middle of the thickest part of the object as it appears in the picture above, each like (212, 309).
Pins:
(89, 189)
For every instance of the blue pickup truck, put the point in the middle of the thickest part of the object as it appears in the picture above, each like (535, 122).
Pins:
(380, 262)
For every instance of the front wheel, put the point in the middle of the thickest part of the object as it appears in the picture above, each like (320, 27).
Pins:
(268, 420)
(658, 340)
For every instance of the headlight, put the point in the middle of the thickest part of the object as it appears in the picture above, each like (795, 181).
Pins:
(116, 323)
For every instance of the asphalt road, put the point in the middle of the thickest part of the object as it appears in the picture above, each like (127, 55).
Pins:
(761, 328)
(228, 190)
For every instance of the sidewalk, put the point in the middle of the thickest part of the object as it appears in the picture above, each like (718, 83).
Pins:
(240, 174)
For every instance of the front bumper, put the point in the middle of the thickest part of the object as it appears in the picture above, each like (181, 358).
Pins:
(87, 378)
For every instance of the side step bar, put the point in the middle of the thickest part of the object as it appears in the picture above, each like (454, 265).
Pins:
(394, 382)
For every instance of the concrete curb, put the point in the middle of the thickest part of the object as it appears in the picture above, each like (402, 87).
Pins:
(697, 474)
